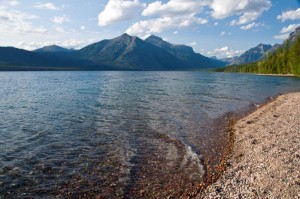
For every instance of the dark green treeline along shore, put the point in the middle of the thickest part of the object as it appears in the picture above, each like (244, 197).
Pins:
(286, 60)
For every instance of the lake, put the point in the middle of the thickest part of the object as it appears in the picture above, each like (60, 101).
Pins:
(118, 134)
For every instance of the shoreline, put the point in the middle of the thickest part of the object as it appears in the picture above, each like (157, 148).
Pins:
(277, 75)
(263, 154)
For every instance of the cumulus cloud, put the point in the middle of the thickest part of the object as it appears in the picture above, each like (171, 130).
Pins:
(285, 32)
(174, 8)
(289, 15)
(290, 28)
(71, 43)
(281, 37)
(47, 6)
(174, 14)
(13, 21)
(9, 3)
(119, 10)
(159, 25)
(192, 43)
(248, 10)
(60, 29)
(224, 52)
(223, 33)
(250, 26)
(12, 2)
(60, 19)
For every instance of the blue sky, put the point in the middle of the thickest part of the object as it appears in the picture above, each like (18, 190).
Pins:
(222, 28)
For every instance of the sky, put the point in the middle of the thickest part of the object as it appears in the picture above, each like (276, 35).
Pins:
(222, 28)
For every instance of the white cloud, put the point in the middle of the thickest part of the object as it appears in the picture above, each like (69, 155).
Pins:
(200, 20)
(119, 10)
(174, 14)
(71, 43)
(289, 15)
(12, 2)
(174, 8)
(159, 25)
(245, 18)
(47, 6)
(60, 29)
(153, 26)
(247, 10)
(281, 37)
(289, 29)
(223, 33)
(192, 43)
(9, 2)
(250, 26)
(285, 31)
(13, 21)
(61, 19)
(175, 32)
(82, 27)
(224, 52)
(183, 13)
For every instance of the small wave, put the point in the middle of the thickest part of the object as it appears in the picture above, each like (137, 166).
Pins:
(191, 158)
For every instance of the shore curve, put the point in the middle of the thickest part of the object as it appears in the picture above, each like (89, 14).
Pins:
(265, 161)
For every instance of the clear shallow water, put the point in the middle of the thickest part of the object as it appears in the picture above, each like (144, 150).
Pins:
(116, 134)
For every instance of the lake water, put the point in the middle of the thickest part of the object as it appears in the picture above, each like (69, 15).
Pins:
(117, 134)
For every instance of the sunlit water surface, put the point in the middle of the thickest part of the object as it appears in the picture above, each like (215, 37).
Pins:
(116, 134)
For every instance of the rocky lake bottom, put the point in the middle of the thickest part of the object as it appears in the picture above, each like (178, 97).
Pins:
(119, 134)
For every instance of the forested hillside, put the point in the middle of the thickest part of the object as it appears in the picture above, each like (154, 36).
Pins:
(285, 60)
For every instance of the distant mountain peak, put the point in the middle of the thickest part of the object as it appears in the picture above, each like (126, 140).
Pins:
(154, 37)
(125, 35)
(293, 35)
(125, 38)
(184, 53)
(53, 48)
(252, 54)
(260, 45)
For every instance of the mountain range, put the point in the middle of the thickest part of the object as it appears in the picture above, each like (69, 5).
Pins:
(121, 53)
(127, 53)
(53, 48)
(261, 51)
(250, 55)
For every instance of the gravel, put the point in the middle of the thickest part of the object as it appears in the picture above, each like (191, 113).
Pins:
(265, 162)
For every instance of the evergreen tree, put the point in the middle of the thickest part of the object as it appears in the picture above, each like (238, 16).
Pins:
(285, 60)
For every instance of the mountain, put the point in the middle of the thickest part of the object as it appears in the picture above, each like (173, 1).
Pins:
(53, 48)
(121, 53)
(18, 59)
(252, 55)
(280, 59)
(292, 37)
(290, 40)
(127, 52)
(185, 53)
(228, 60)
(261, 51)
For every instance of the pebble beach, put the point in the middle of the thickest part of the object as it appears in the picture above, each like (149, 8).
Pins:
(265, 159)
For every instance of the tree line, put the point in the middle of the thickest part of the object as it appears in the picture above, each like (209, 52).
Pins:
(286, 60)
